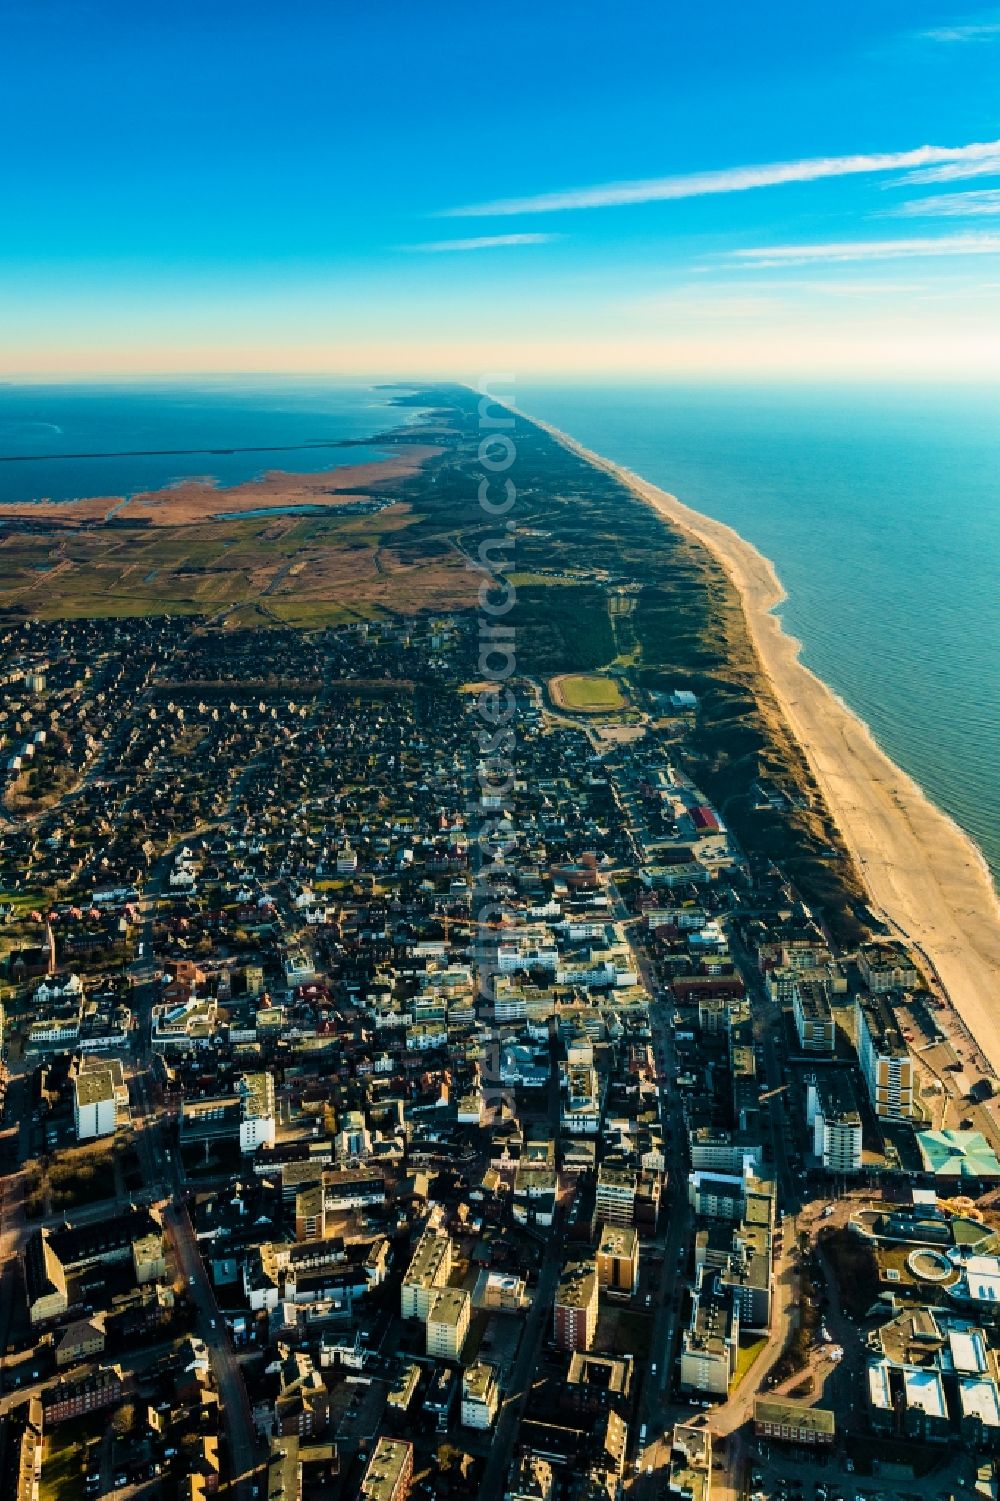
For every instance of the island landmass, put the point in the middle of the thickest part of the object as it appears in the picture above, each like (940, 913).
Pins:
(643, 1161)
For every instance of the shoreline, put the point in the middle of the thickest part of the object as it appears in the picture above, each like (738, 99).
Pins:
(922, 872)
(199, 499)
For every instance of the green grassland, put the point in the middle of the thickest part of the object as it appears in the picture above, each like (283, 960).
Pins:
(307, 571)
(587, 693)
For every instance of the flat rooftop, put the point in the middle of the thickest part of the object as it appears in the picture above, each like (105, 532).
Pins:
(385, 1467)
(94, 1087)
(968, 1351)
(449, 1307)
(979, 1398)
(618, 1241)
(819, 1420)
(576, 1285)
(925, 1390)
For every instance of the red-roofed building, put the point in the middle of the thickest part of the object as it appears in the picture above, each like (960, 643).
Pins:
(704, 820)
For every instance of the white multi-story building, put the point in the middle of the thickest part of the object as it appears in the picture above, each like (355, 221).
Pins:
(480, 1395)
(95, 1108)
(814, 1023)
(53, 1032)
(257, 1111)
(601, 969)
(580, 1107)
(428, 1272)
(833, 1117)
(535, 1192)
(885, 1060)
(184, 1024)
(530, 947)
(447, 1323)
(710, 1343)
(726, 1196)
(616, 1191)
(717, 1196)
(509, 1008)
(887, 966)
(720, 1151)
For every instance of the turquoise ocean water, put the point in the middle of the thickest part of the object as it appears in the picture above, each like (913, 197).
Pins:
(880, 509)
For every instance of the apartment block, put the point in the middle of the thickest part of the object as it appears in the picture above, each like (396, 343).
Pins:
(722, 1151)
(257, 1112)
(887, 966)
(616, 1191)
(691, 1462)
(814, 1023)
(618, 1259)
(732, 1196)
(447, 1323)
(389, 1471)
(710, 1343)
(834, 1119)
(428, 1272)
(480, 1395)
(885, 1061)
(95, 1109)
(747, 1276)
(575, 1311)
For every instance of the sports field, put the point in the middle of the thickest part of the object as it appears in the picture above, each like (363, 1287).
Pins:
(586, 693)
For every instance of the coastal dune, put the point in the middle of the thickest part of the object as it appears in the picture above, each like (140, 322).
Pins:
(923, 874)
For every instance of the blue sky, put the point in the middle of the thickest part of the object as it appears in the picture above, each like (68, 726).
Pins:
(443, 188)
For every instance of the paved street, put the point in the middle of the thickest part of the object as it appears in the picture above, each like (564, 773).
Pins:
(729, 1422)
(162, 1172)
(536, 1327)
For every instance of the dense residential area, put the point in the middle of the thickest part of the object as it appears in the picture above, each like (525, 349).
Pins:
(323, 1176)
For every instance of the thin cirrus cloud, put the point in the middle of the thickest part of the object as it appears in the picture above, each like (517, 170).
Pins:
(988, 166)
(867, 250)
(480, 242)
(975, 31)
(725, 180)
(978, 203)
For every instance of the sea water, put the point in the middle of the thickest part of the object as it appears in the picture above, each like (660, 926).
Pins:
(880, 509)
(144, 436)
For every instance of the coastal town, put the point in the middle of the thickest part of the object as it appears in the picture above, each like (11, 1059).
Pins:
(500, 751)
(651, 1177)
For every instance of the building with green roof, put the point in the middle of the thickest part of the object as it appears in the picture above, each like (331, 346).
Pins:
(957, 1154)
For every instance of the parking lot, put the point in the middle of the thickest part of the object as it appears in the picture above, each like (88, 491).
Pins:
(777, 1473)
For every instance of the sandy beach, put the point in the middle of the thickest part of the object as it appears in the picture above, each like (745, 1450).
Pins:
(923, 873)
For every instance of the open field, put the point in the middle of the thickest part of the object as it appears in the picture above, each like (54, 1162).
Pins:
(304, 570)
(586, 693)
(306, 550)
